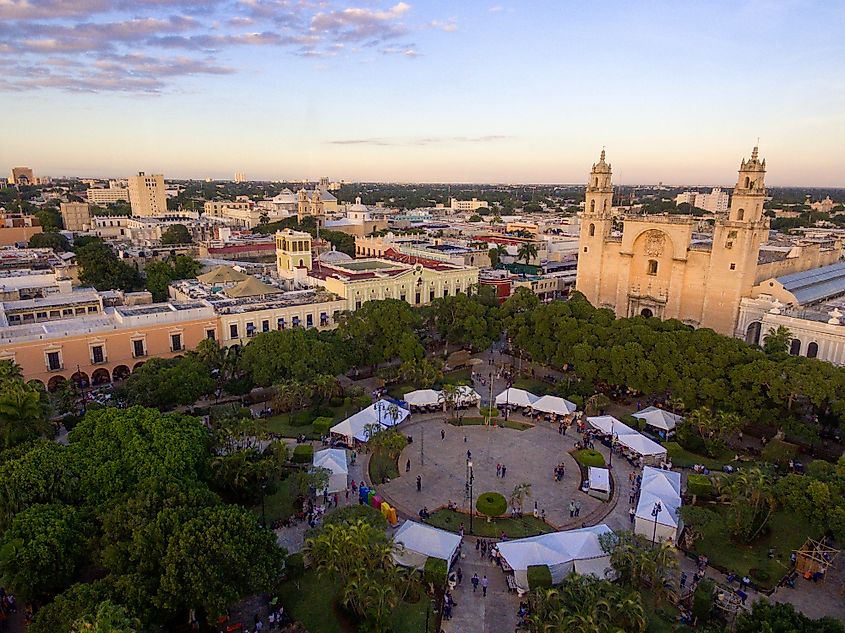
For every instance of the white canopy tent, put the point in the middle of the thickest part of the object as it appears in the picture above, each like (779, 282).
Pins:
(659, 418)
(599, 482)
(554, 404)
(516, 397)
(333, 460)
(467, 395)
(663, 487)
(416, 542)
(641, 445)
(563, 552)
(608, 425)
(423, 397)
(355, 426)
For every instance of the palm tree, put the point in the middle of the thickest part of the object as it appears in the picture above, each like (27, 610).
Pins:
(527, 251)
(448, 397)
(23, 414)
(496, 253)
(496, 219)
(291, 396)
(777, 341)
(325, 386)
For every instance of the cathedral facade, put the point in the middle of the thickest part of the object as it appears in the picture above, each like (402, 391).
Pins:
(656, 268)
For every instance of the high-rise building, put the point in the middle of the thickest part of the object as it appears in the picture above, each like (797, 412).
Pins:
(21, 176)
(240, 176)
(76, 216)
(146, 194)
(716, 201)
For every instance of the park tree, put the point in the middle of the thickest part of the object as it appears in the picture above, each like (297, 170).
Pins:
(176, 234)
(109, 618)
(24, 410)
(777, 340)
(292, 395)
(380, 331)
(638, 564)
(703, 429)
(751, 497)
(466, 320)
(54, 240)
(101, 268)
(159, 274)
(496, 253)
(782, 617)
(167, 382)
(294, 354)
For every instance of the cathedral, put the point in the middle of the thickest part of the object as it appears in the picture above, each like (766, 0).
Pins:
(657, 268)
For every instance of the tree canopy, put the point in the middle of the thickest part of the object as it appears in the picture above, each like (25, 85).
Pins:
(176, 234)
(101, 268)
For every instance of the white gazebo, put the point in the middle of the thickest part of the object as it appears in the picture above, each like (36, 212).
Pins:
(333, 460)
(599, 483)
(416, 542)
(659, 419)
(657, 516)
(467, 396)
(358, 426)
(516, 397)
(608, 425)
(639, 444)
(554, 404)
(423, 398)
(563, 552)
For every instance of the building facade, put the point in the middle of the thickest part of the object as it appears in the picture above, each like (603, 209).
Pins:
(468, 205)
(21, 176)
(147, 194)
(76, 216)
(102, 196)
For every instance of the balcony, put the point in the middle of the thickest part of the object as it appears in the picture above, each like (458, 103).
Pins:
(103, 361)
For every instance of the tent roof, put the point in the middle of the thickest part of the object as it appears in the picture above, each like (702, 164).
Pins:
(554, 404)
(519, 397)
(423, 397)
(555, 548)
(659, 418)
(222, 275)
(607, 424)
(355, 425)
(334, 459)
(467, 394)
(427, 540)
(599, 479)
(641, 445)
(663, 486)
(250, 287)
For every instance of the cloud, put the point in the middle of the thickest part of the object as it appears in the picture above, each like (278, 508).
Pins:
(146, 45)
(496, 8)
(419, 141)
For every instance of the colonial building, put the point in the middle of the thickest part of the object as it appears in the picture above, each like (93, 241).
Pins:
(657, 267)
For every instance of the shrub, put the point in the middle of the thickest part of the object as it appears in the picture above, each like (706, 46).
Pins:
(589, 457)
(245, 413)
(336, 402)
(303, 454)
(634, 423)
(493, 412)
(702, 600)
(321, 426)
(539, 576)
(301, 418)
(577, 400)
(351, 514)
(294, 566)
(779, 452)
(361, 402)
(435, 571)
(699, 485)
(321, 412)
(491, 504)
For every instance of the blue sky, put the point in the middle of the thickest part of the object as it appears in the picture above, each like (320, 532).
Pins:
(677, 91)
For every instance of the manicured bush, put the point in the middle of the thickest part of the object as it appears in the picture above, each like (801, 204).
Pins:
(492, 412)
(321, 426)
(589, 457)
(301, 418)
(294, 566)
(491, 504)
(303, 454)
(699, 485)
(435, 571)
(539, 576)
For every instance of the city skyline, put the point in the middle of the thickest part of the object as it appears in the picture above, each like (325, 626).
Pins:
(423, 92)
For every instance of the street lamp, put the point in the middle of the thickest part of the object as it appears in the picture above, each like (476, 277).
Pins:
(471, 478)
(655, 512)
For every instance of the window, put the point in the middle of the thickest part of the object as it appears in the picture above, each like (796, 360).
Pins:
(209, 334)
(40, 315)
(652, 267)
(233, 330)
(80, 311)
(592, 230)
(592, 206)
(733, 266)
(309, 320)
(431, 296)
(585, 249)
(280, 324)
(812, 350)
(296, 321)
(795, 347)
(250, 330)
(67, 312)
(445, 292)
(92, 309)
(403, 296)
(55, 314)
(175, 342)
(358, 304)
(324, 318)
(417, 298)
(14, 318)
(29, 317)
(138, 348)
(54, 361)
(97, 355)
(747, 182)
(265, 325)
(740, 215)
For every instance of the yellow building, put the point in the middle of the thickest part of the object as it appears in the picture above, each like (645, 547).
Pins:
(21, 176)
(147, 195)
(657, 268)
(76, 216)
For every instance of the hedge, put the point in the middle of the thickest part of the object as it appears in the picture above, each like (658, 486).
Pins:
(294, 566)
(303, 454)
(435, 571)
(589, 457)
(491, 504)
(301, 418)
(539, 576)
(321, 425)
(699, 485)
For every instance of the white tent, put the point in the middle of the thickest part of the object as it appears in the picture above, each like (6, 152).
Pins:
(517, 397)
(554, 404)
(333, 460)
(423, 397)
(415, 542)
(599, 482)
(659, 418)
(663, 487)
(641, 445)
(563, 552)
(608, 425)
(355, 426)
(467, 395)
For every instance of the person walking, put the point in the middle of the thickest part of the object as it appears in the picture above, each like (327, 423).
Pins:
(474, 582)
(504, 469)
(498, 469)
(460, 575)
(419, 483)
(632, 513)
(571, 509)
(577, 508)
(484, 584)
(442, 434)
(408, 466)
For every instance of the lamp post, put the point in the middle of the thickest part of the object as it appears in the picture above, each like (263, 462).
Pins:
(471, 478)
(655, 512)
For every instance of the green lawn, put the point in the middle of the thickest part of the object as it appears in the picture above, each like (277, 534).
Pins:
(279, 505)
(281, 423)
(311, 599)
(588, 457)
(537, 387)
(787, 532)
(514, 528)
(510, 424)
(683, 458)
(382, 465)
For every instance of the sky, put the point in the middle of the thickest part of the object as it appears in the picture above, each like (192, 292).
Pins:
(506, 91)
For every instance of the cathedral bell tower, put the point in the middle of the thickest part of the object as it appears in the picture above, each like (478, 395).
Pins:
(596, 224)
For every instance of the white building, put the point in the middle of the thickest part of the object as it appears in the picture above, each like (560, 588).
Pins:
(114, 193)
(468, 205)
(716, 201)
(146, 194)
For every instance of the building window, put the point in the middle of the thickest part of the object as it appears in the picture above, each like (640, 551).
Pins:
(280, 324)
(40, 315)
(175, 342)
(431, 296)
(403, 296)
(417, 298)
(233, 330)
(92, 309)
(324, 319)
(740, 215)
(795, 347)
(733, 266)
(250, 330)
(309, 320)
(296, 321)
(445, 292)
(138, 348)
(209, 334)
(585, 249)
(358, 304)
(265, 325)
(652, 267)
(592, 206)
(592, 230)
(812, 350)
(67, 312)
(97, 355)
(54, 361)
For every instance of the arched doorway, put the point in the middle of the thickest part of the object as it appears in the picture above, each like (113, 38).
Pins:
(647, 313)
(36, 383)
(137, 365)
(752, 333)
(121, 372)
(80, 379)
(795, 347)
(55, 383)
(100, 377)
(813, 350)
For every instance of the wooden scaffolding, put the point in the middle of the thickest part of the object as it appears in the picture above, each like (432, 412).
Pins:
(814, 559)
